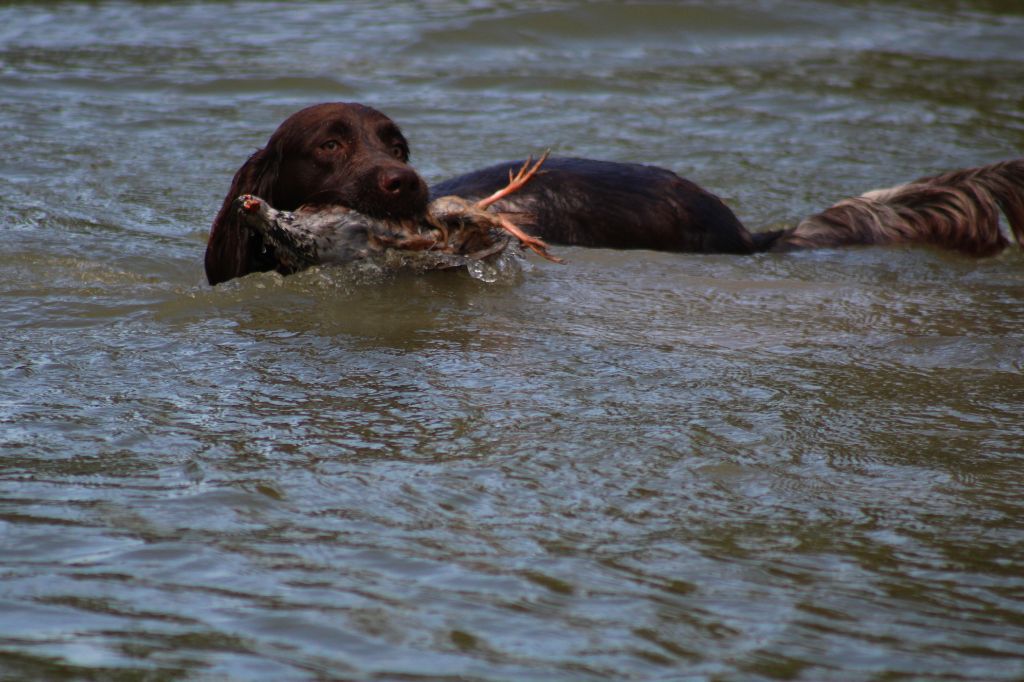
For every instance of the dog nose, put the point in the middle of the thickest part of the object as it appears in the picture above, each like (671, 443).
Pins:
(397, 181)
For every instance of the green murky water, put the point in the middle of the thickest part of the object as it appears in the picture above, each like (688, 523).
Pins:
(635, 466)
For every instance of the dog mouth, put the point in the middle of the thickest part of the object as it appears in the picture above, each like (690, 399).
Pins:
(374, 204)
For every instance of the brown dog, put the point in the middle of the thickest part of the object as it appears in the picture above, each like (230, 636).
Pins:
(337, 153)
(355, 156)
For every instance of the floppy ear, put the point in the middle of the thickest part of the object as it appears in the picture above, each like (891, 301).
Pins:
(233, 249)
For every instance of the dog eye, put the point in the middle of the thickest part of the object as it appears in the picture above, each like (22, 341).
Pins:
(330, 145)
(399, 152)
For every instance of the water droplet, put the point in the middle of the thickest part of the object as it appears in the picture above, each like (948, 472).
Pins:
(485, 272)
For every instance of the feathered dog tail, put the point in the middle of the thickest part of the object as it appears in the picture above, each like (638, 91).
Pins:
(957, 210)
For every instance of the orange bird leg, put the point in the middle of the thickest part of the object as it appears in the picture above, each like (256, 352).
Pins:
(538, 246)
(515, 182)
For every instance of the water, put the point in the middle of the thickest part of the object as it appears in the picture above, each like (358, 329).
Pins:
(633, 466)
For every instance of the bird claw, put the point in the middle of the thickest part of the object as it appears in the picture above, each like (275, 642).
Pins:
(516, 181)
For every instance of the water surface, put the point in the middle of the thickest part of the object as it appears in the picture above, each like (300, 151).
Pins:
(634, 466)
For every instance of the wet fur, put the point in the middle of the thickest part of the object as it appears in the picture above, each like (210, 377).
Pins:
(368, 171)
(584, 202)
(615, 205)
(593, 203)
(958, 211)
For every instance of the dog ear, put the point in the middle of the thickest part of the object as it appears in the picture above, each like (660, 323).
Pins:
(259, 174)
(233, 249)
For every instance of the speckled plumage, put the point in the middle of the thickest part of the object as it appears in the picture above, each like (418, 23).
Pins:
(451, 234)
